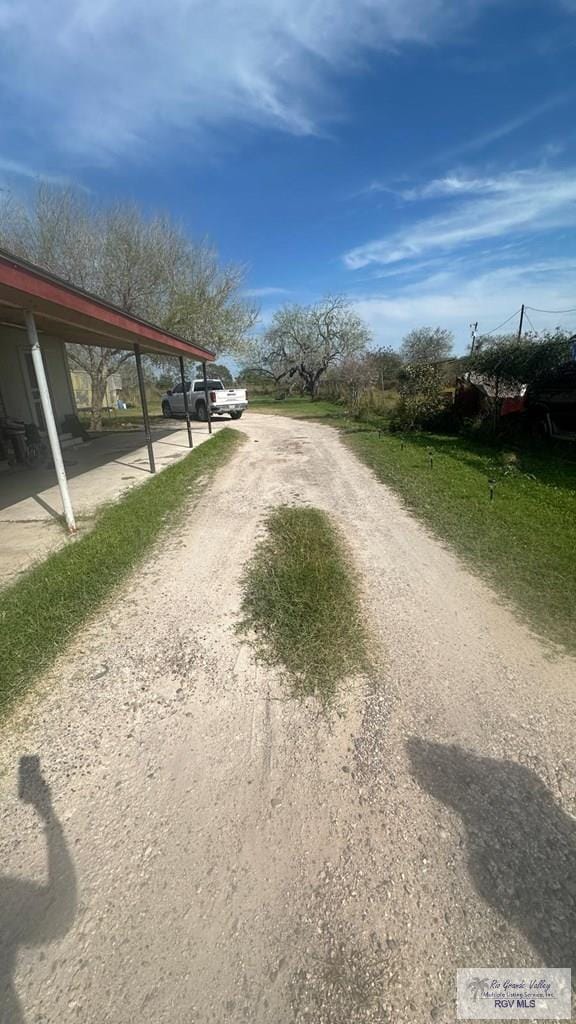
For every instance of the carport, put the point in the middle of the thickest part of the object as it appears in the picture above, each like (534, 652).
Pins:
(40, 304)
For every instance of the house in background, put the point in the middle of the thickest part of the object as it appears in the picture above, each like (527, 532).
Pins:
(82, 389)
(479, 396)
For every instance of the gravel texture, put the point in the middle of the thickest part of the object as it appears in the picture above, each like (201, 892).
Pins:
(220, 853)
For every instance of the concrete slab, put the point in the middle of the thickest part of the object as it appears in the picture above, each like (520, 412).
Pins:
(98, 471)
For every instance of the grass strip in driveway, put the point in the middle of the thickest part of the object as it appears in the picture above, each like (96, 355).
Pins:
(523, 542)
(299, 408)
(40, 612)
(301, 602)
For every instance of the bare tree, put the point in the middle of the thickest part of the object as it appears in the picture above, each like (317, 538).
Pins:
(383, 367)
(147, 267)
(365, 376)
(266, 364)
(307, 340)
(427, 345)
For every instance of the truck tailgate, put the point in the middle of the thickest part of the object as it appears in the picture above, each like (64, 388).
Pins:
(232, 396)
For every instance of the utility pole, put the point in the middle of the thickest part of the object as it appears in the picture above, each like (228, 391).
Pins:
(521, 322)
(473, 330)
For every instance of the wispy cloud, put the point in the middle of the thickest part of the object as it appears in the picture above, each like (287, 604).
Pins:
(505, 128)
(114, 72)
(262, 293)
(453, 185)
(493, 208)
(16, 169)
(454, 300)
(482, 140)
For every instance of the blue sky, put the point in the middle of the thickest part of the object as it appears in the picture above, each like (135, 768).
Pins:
(418, 155)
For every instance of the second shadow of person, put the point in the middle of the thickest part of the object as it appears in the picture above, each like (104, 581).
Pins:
(32, 913)
(521, 846)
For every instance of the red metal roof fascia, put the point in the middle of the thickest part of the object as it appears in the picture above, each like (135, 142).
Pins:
(36, 286)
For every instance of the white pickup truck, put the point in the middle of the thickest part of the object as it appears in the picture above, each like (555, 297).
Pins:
(221, 400)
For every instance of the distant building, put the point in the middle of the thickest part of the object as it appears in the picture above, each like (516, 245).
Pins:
(82, 388)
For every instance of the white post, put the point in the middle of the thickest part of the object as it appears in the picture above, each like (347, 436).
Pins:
(50, 421)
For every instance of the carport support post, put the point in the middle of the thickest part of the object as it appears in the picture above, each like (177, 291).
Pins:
(144, 403)
(207, 398)
(51, 427)
(186, 408)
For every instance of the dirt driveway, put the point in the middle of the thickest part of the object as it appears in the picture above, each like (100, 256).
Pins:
(218, 853)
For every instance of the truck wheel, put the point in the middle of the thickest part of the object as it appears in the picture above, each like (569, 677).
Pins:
(166, 410)
(236, 415)
(201, 412)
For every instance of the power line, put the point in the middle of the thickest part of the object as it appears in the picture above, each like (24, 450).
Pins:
(534, 310)
(503, 324)
(529, 321)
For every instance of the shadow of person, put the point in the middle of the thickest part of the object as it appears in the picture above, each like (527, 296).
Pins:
(30, 913)
(521, 845)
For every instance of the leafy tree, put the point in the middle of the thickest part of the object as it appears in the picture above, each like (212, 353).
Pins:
(147, 267)
(257, 376)
(217, 370)
(427, 345)
(421, 395)
(307, 340)
(164, 381)
(507, 360)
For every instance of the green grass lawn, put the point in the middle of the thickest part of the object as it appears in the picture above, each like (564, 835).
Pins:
(301, 602)
(299, 408)
(322, 409)
(523, 542)
(40, 612)
(115, 418)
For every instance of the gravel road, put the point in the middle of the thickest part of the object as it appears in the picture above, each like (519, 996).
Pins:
(211, 851)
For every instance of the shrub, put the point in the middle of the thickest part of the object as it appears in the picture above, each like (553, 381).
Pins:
(422, 397)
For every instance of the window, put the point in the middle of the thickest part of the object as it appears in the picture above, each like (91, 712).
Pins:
(212, 385)
(177, 390)
(215, 385)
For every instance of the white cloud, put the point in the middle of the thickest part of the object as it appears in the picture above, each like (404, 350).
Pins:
(496, 207)
(453, 185)
(479, 142)
(17, 169)
(262, 293)
(98, 76)
(456, 300)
